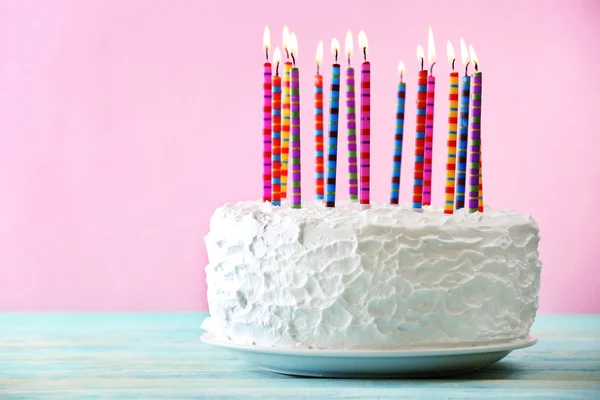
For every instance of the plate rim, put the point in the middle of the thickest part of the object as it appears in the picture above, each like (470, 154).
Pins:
(515, 344)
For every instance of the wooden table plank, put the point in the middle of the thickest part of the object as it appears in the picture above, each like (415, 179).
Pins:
(90, 356)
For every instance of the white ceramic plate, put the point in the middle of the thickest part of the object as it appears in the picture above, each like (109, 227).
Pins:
(371, 363)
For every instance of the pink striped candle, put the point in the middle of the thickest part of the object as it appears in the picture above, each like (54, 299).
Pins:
(429, 118)
(365, 125)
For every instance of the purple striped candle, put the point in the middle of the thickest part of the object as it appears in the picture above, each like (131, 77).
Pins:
(351, 125)
(267, 132)
(474, 166)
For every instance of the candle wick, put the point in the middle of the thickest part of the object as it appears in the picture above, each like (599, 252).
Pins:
(431, 68)
(421, 63)
(467, 68)
(453, 61)
(267, 53)
(476, 66)
(348, 59)
(293, 59)
(336, 55)
(317, 68)
(365, 52)
(287, 54)
(401, 76)
(277, 69)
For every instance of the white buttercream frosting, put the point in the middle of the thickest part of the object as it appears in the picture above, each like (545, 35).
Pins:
(383, 278)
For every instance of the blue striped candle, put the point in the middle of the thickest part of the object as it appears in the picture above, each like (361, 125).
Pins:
(334, 106)
(397, 163)
(461, 168)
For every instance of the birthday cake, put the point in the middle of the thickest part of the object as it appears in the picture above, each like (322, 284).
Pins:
(383, 278)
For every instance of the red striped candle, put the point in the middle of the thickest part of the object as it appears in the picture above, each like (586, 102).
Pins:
(365, 125)
(319, 149)
(417, 202)
(266, 119)
(276, 162)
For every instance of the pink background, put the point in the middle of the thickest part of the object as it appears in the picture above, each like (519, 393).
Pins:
(124, 124)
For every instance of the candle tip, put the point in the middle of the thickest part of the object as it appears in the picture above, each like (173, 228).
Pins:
(349, 46)
(420, 55)
(319, 55)
(267, 41)
(431, 49)
(451, 54)
(293, 45)
(277, 60)
(363, 43)
(474, 57)
(335, 49)
(401, 69)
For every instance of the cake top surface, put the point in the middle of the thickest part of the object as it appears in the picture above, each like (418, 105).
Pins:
(382, 214)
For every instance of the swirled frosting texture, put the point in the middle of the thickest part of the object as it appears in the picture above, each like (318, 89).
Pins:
(383, 278)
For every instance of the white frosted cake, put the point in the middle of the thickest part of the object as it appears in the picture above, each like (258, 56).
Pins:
(384, 278)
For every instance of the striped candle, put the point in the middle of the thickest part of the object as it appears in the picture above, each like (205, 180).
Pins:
(334, 109)
(398, 136)
(480, 203)
(429, 118)
(461, 169)
(451, 157)
(365, 125)
(267, 132)
(319, 152)
(276, 132)
(351, 126)
(475, 149)
(295, 131)
(420, 140)
(285, 128)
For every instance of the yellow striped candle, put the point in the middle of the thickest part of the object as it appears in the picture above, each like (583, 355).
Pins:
(452, 126)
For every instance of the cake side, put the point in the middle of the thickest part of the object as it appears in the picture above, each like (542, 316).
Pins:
(382, 278)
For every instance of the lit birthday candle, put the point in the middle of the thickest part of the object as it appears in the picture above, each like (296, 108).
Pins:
(351, 122)
(276, 162)
(267, 118)
(475, 174)
(334, 107)
(420, 133)
(397, 162)
(429, 118)
(365, 125)
(463, 138)
(295, 131)
(319, 164)
(452, 123)
(285, 128)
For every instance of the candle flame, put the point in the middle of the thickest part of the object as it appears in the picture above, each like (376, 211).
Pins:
(277, 57)
(286, 38)
(293, 44)
(420, 53)
(401, 69)
(335, 49)
(451, 54)
(349, 45)
(267, 40)
(319, 54)
(473, 56)
(464, 53)
(430, 49)
(363, 43)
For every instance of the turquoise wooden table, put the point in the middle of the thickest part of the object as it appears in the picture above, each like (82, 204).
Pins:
(160, 356)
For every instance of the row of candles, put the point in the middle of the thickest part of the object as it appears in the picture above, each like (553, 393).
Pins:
(281, 128)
